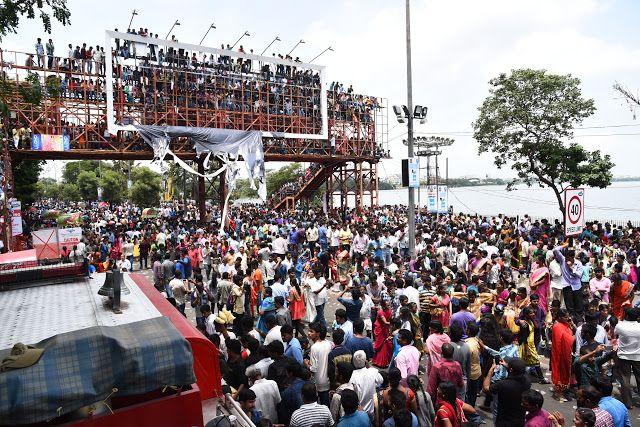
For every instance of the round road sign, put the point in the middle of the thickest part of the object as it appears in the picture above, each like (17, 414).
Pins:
(574, 210)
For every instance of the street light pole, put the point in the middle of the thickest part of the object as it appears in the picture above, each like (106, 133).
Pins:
(205, 34)
(246, 33)
(134, 13)
(277, 39)
(294, 48)
(172, 27)
(320, 54)
(412, 206)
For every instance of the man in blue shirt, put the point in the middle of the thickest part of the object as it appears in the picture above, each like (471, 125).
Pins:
(292, 395)
(358, 341)
(352, 417)
(293, 348)
(618, 411)
(571, 279)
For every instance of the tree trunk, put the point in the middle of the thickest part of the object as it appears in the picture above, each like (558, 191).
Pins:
(560, 202)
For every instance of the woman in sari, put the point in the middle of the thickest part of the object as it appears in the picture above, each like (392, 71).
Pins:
(527, 346)
(440, 305)
(450, 409)
(540, 284)
(621, 295)
(296, 305)
(344, 261)
(561, 356)
(267, 308)
(382, 346)
(436, 338)
(416, 328)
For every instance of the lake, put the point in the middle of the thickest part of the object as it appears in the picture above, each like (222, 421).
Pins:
(620, 201)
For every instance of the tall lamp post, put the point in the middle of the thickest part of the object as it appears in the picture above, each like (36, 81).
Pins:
(172, 27)
(246, 33)
(321, 53)
(277, 39)
(211, 27)
(297, 44)
(133, 13)
(406, 112)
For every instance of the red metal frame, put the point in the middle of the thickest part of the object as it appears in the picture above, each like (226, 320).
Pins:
(81, 113)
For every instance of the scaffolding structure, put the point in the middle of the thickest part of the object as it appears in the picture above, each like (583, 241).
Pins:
(72, 102)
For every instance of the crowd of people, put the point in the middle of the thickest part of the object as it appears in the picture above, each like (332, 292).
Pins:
(157, 84)
(414, 339)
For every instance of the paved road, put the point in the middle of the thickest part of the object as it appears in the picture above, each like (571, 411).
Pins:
(550, 404)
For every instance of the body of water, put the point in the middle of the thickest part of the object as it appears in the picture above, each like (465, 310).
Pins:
(620, 201)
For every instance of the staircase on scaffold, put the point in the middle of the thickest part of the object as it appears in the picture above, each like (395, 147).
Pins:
(308, 188)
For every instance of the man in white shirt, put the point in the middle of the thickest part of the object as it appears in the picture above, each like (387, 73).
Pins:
(280, 246)
(555, 271)
(267, 394)
(628, 355)
(319, 360)
(274, 331)
(412, 294)
(366, 380)
(312, 235)
(318, 287)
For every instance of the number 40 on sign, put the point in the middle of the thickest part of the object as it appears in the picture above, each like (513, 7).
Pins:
(574, 211)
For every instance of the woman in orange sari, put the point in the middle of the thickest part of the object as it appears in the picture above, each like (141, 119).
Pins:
(561, 354)
(621, 295)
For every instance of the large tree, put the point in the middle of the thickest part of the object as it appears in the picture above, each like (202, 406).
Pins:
(25, 179)
(527, 121)
(146, 188)
(11, 11)
(87, 183)
(114, 186)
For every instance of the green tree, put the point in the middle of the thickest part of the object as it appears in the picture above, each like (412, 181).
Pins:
(11, 11)
(276, 179)
(114, 186)
(73, 169)
(48, 188)
(146, 188)
(87, 183)
(25, 179)
(528, 119)
(31, 89)
(70, 192)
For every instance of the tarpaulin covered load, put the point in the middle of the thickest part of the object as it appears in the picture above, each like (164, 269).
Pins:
(82, 367)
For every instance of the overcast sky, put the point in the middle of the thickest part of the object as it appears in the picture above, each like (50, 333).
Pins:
(457, 47)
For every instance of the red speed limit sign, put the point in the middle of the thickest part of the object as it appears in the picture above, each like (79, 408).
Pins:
(574, 211)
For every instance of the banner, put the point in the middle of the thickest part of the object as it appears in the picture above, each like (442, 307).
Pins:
(15, 207)
(45, 242)
(432, 199)
(42, 142)
(443, 199)
(414, 172)
(69, 237)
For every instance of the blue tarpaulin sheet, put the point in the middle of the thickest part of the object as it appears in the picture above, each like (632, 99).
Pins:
(82, 367)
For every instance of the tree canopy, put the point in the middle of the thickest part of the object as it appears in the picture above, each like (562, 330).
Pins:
(81, 180)
(12, 11)
(527, 121)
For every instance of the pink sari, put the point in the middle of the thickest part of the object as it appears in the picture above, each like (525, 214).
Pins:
(542, 277)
